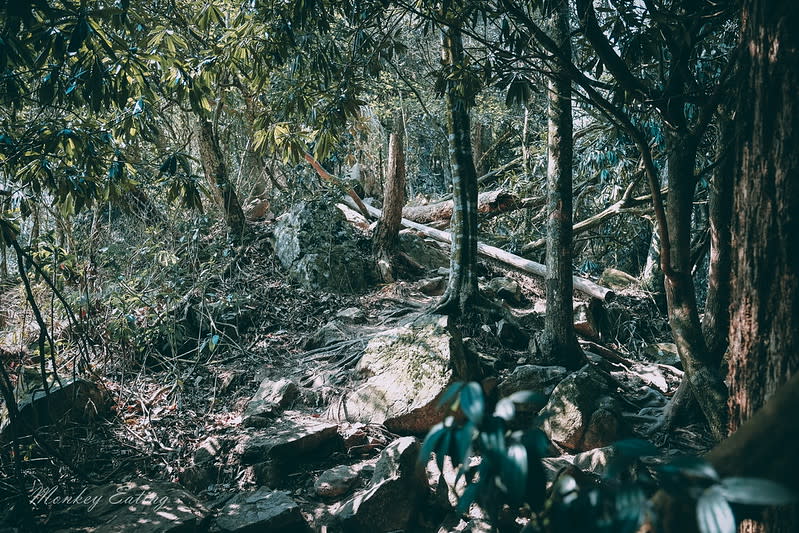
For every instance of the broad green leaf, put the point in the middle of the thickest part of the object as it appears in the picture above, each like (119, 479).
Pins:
(431, 441)
(526, 396)
(630, 503)
(450, 394)
(635, 448)
(713, 513)
(473, 402)
(463, 444)
(514, 472)
(756, 491)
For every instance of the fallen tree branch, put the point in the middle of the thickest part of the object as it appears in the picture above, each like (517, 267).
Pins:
(525, 265)
(624, 205)
(489, 202)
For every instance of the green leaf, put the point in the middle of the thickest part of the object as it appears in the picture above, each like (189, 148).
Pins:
(713, 513)
(431, 441)
(526, 396)
(473, 402)
(443, 448)
(756, 491)
(514, 472)
(450, 394)
(691, 469)
(463, 444)
(635, 448)
(630, 503)
(505, 409)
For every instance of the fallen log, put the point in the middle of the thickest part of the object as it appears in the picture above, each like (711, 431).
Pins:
(489, 202)
(525, 265)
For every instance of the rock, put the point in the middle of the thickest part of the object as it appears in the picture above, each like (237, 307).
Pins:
(314, 242)
(289, 437)
(595, 461)
(603, 429)
(616, 279)
(336, 481)
(540, 379)
(352, 315)
(75, 400)
(394, 494)
(405, 369)
(262, 510)
(510, 335)
(143, 506)
(428, 254)
(330, 333)
(269, 400)
(433, 286)
(664, 353)
(207, 451)
(567, 415)
(507, 289)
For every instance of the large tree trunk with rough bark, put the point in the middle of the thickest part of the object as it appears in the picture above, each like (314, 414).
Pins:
(558, 342)
(764, 314)
(385, 238)
(213, 162)
(462, 295)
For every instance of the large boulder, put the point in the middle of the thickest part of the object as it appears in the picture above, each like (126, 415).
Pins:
(394, 494)
(579, 414)
(314, 242)
(404, 371)
(289, 439)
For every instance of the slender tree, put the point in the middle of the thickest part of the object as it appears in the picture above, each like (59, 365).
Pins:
(558, 341)
(462, 294)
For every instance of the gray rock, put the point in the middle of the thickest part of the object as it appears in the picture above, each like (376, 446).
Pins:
(75, 400)
(567, 414)
(595, 461)
(393, 496)
(336, 481)
(207, 450)
(427, 254)
(433, 286)
(352, 315)
(143, 506)
(261, 510)
(287, 438)
(404, 370)
(507, 289)
(540, 379)
(511, 336)
(331, 333)
(271, 398)
(314, 242)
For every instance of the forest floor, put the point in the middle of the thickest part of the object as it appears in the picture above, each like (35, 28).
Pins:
(163, 410)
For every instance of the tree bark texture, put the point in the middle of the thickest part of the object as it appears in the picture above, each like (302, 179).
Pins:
(462, 293)
(213, 162)
(558, 340)
(385, 238)
(764, 313)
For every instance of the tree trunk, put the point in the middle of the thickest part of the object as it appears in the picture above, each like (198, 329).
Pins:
(462, 294)
(558, 341)
(213, 162)
(385, 238)
(716, 320)
(702, 374)
(764, 337)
